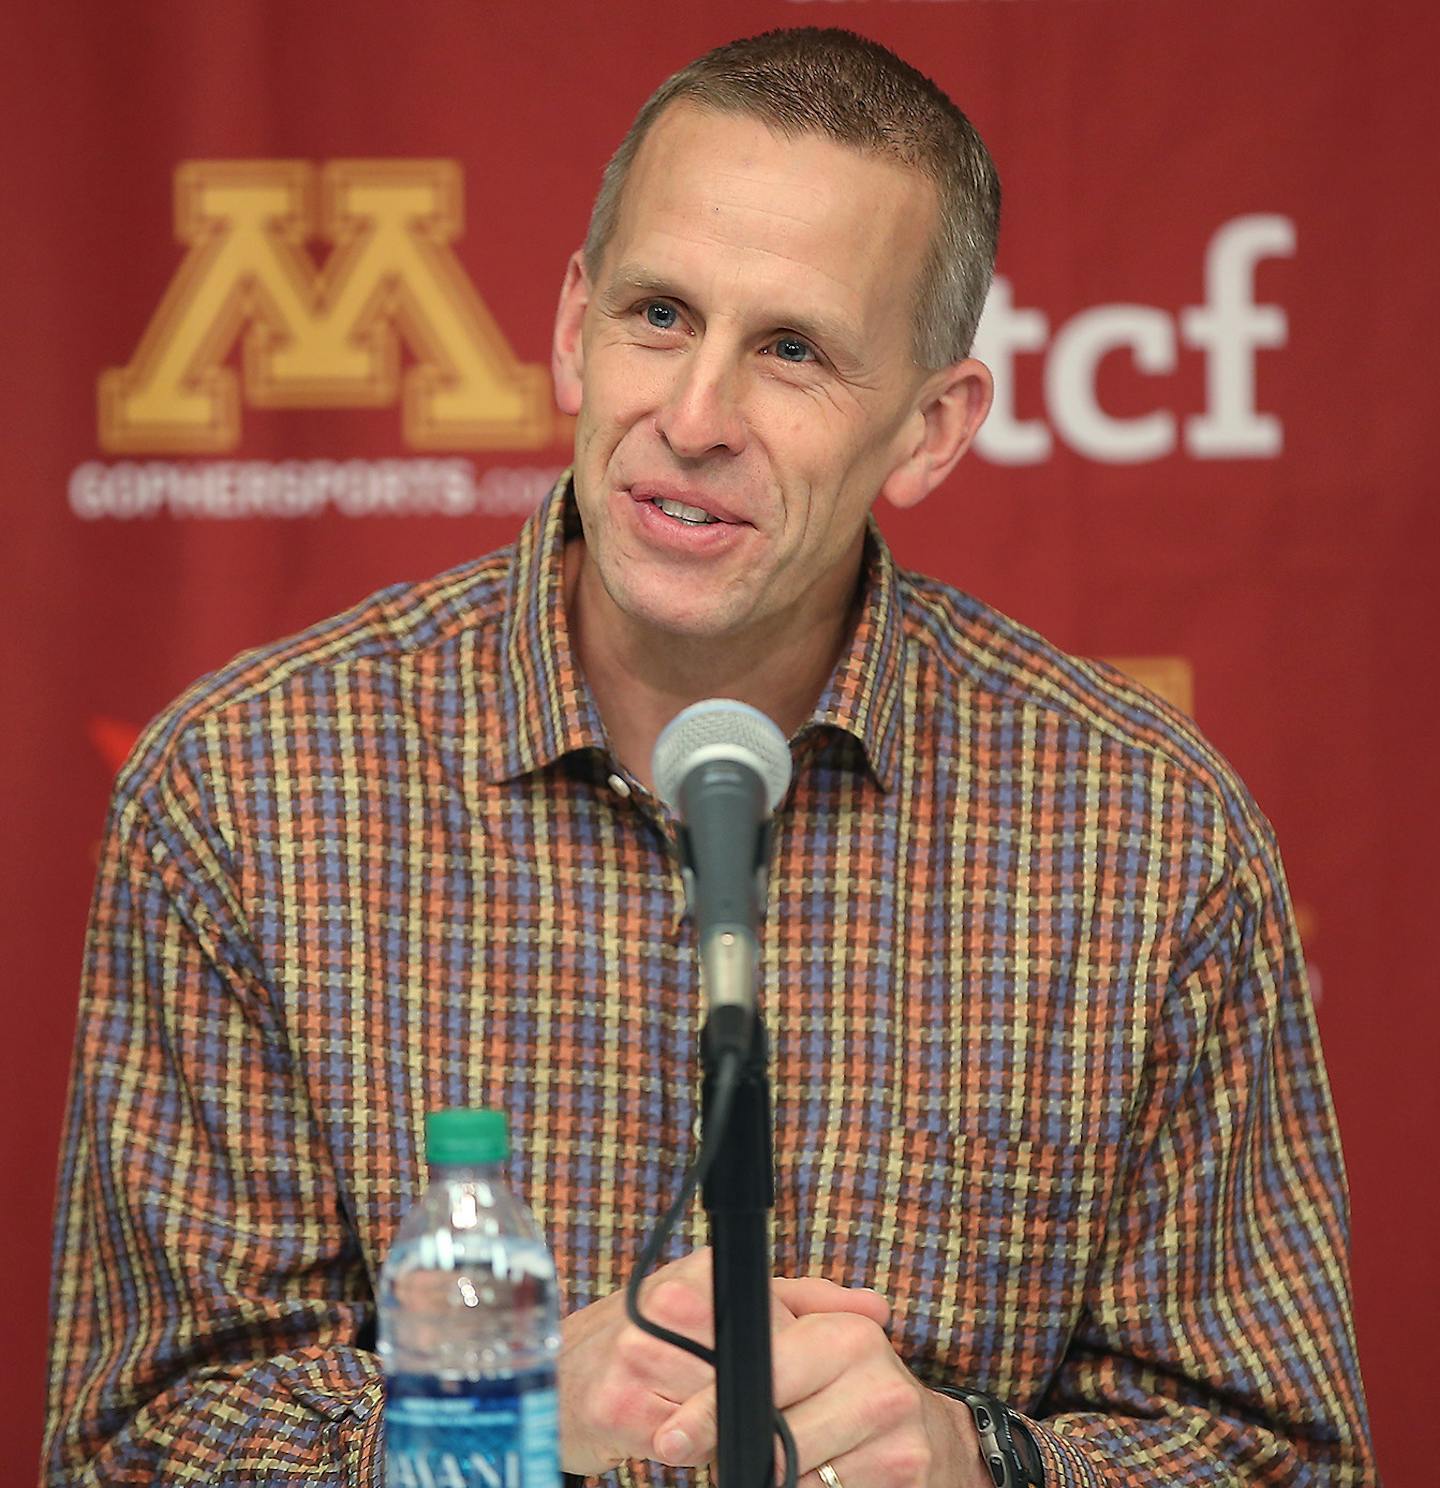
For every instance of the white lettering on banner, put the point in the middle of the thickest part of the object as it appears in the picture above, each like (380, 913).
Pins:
(1070, 372)
(1229, 328)
(1003, 331)
(230, 490)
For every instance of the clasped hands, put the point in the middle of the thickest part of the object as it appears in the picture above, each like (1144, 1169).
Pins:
(849, 1400)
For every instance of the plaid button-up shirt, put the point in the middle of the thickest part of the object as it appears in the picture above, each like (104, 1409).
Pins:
(1045, 1069)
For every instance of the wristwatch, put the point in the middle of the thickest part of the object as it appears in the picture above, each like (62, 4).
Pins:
(1006, 1441)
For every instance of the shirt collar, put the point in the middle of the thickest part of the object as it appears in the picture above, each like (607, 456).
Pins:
(862, 697)
(549, 707)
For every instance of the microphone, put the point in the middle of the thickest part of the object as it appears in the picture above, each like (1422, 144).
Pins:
(722, 767)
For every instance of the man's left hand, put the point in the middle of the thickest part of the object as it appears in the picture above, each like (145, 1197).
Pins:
(849, 1402)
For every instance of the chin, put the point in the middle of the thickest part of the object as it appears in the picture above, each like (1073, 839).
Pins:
(684, 624)
(678, 615)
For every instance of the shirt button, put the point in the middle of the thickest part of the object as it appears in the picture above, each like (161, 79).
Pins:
(618, 785)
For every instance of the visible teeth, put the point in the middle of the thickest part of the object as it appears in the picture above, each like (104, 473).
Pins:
(691, 514)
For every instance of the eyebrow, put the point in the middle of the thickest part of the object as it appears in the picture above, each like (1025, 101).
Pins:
(634, 278)
(631, 277)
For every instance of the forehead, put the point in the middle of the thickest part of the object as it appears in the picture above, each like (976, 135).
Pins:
(728, 198)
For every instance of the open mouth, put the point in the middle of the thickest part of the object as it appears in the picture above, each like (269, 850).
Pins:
(692, 516)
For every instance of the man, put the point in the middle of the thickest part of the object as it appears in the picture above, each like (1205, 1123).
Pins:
(1050, 1115)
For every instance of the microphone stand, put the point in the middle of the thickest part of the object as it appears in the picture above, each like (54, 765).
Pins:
(725, 766)
(738, 1195)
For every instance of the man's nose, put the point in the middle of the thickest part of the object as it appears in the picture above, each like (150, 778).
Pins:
(702, 413)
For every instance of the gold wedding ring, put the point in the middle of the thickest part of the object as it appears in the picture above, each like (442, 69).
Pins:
(829, 1476)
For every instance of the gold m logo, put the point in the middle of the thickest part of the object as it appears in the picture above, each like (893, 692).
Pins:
(322, 338)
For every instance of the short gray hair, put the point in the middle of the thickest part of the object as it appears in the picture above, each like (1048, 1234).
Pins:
(854, 91)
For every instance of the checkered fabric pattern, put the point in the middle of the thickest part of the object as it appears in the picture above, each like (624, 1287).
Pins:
(1045, 1069)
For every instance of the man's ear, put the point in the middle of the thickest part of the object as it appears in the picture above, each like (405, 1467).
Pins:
(952, 406)
(567, 348)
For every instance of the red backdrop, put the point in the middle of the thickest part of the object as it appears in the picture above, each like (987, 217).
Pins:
(248, 386)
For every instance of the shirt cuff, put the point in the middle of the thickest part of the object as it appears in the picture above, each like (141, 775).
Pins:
(364, 1439)
(1066, 1466)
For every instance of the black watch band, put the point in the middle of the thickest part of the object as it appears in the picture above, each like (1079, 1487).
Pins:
(1006, 1441)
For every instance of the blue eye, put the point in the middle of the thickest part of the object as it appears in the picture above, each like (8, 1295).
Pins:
(660, 315)
(793, 349)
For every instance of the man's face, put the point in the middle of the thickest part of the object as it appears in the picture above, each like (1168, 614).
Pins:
(744, 353)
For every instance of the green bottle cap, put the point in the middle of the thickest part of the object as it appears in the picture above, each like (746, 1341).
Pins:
(466, 1135)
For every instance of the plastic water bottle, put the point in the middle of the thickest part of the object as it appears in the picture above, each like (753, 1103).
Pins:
(468, 1327)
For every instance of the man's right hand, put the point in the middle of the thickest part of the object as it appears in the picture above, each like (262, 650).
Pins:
(618, 1384)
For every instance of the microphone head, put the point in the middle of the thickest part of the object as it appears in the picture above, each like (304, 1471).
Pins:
(720, 728)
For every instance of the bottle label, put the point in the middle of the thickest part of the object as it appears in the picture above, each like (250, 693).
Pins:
(487, 1433)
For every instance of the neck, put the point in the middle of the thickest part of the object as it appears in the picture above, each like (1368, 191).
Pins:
(641, 679)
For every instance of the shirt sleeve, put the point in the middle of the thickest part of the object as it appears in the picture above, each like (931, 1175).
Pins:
(209, 1298)
(1216, 1344)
